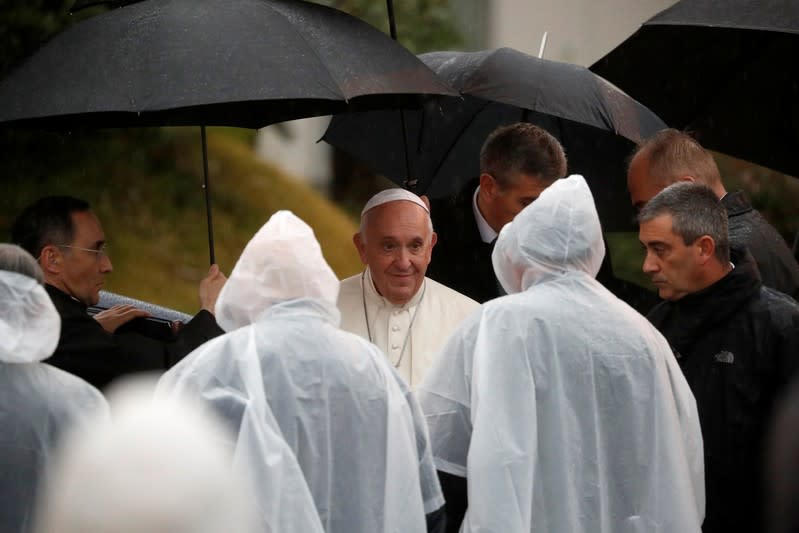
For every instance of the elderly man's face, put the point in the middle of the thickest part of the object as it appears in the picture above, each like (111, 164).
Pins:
(674, 267)
(396, 244)
(82, 263)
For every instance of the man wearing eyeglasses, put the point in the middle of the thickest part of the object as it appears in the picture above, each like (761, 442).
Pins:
(68, 240)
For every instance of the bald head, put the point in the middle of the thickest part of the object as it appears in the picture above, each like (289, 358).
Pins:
(668, 157)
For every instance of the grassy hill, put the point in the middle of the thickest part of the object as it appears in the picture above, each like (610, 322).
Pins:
(146, 187)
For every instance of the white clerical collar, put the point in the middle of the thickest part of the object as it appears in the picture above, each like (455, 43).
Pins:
(374, 297)
(487, 233)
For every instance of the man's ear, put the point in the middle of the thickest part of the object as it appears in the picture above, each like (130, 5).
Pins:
(433, 239)
(360, 245)
(707, 248)
(51, 259)
(687, 177)
(488, 184)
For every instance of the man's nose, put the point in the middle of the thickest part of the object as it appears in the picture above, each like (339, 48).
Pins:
(403, 259)
(105, 265)
(650, 265)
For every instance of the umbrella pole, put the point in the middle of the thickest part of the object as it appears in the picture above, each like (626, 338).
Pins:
(207, 188)
(410, 182)
(392, 25)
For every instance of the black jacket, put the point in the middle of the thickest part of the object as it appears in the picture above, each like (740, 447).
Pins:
(737, 343)
(748, 229)
(461, 260)
(86, 350)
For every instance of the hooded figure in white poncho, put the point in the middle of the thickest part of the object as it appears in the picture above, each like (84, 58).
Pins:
(38, 402)
(285, 363)
(562, 407)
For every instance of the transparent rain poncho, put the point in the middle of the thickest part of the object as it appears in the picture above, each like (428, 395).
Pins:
(562, 406)
(157, 467)
(285, 369)
(38, 402)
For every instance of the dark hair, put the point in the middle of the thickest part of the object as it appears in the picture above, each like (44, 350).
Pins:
(522, 148)
(673, 154)
(695, 211)
(14, 259)
(46, 221)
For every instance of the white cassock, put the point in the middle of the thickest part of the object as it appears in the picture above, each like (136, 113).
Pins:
(563, 408)
(410, 335)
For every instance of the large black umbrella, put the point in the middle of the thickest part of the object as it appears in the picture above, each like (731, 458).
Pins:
(596, 122)
(246, 63)
(727, 70)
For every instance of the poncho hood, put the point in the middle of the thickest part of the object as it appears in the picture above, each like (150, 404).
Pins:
(559, 232)
(29, 323)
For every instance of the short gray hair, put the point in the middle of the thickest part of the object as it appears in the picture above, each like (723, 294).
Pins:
(695, 211)
(14, 258)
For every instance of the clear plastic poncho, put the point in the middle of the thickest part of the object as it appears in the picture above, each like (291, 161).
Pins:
(158, 467)
(562, 406)
(38, 402)
(285, 368)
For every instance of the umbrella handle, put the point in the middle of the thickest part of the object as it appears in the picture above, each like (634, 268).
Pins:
(207, 187)
(392, 25)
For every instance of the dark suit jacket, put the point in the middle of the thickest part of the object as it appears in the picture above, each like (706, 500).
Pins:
(86, 350)
(461, 260)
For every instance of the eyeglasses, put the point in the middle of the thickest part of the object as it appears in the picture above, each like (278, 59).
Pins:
(100, 252)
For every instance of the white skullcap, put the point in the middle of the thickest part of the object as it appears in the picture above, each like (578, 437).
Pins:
(393, 195)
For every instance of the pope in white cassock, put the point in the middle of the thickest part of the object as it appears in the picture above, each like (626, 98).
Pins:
(38, 403)
(391, 303)
(284, 367)
(563, 408)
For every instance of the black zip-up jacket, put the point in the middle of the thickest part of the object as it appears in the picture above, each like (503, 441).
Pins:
(737, 343)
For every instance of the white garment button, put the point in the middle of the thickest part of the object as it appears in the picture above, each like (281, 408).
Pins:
(395, 346)
(395, 328)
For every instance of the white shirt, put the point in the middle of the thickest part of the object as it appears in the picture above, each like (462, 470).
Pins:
(438, 311)
(487, 233)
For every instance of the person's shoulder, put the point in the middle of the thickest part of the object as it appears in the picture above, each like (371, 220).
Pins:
(349, 287)
(451, 296)
(781, 308)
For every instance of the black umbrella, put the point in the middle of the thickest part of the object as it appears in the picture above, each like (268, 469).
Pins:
(727, 70)
(596, 122)
(246, 63)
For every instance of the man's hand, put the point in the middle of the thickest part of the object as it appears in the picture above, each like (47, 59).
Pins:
(210, 287)
(114, 317)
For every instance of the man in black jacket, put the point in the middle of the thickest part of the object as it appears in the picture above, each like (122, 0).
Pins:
(736, 341)
(671, 156)
(67, 239)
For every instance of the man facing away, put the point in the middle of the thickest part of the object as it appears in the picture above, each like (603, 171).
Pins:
(284, 366)
(671, 156)
(517, 162)
(391, 303)
(736, 341)
(68, 240)
(561, 406)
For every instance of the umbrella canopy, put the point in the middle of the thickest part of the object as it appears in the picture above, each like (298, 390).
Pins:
(597, 123)
(246, 63)
(726, 70)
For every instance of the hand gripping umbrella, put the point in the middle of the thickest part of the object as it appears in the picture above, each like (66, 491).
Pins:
(597, 123)
(245, 63)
